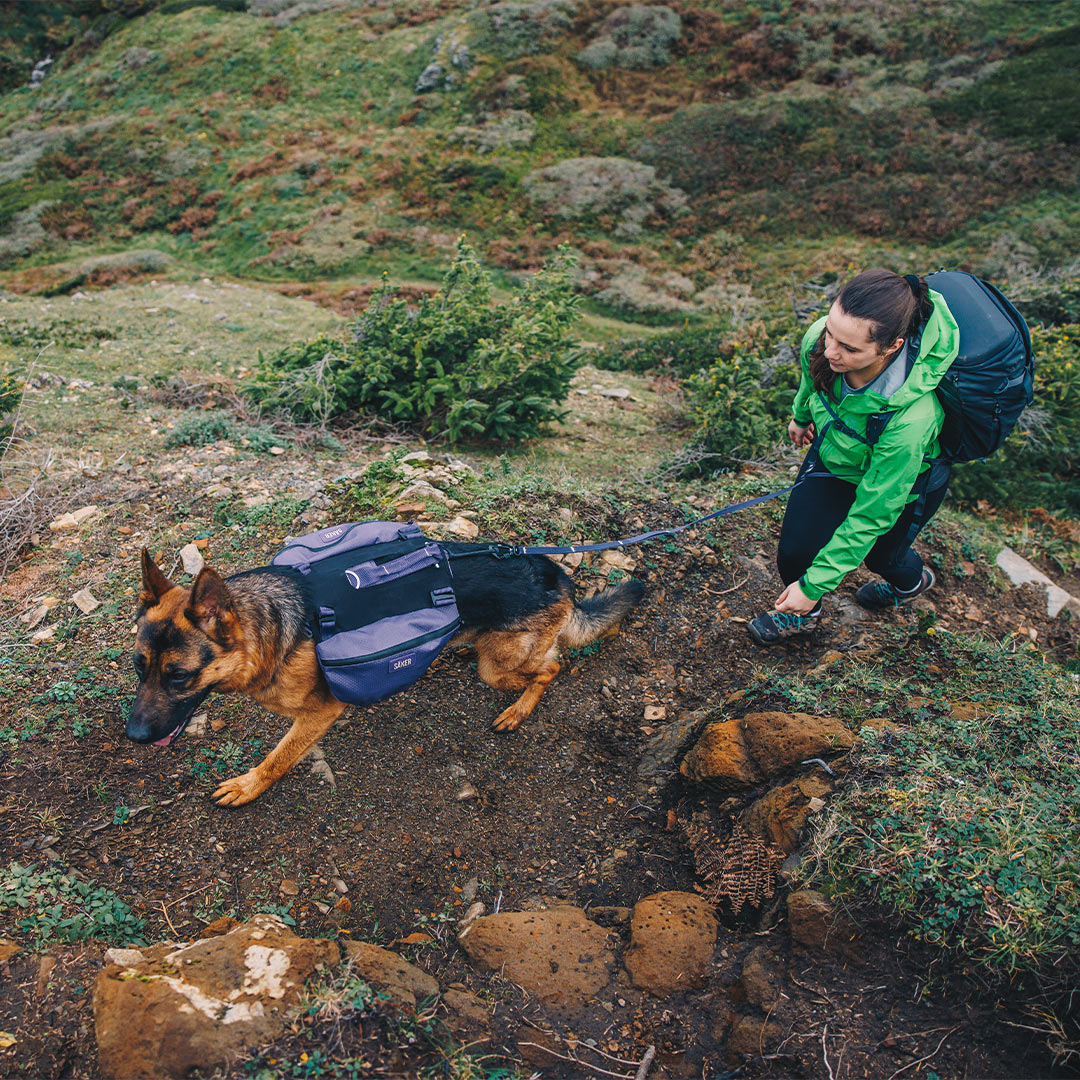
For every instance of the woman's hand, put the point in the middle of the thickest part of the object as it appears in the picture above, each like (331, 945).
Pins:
(793, 599)
(801, 436)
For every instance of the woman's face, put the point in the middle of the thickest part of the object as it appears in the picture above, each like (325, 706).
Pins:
(849, 347)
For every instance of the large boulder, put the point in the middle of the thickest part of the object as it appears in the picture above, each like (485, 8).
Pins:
(672, 941)
(780, 741)
(735, 755)
(559, 955)
(164, 1010)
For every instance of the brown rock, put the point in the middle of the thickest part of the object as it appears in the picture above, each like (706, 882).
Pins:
(558, 954)
(779, 817)
(752, 1036)
(403, 983)
(8, 949)
(760, 981)
(779, 741)
(722, 758)
(200, 1004)
(672, 940)
(818, 928)
(219, 926)
(466, 1014)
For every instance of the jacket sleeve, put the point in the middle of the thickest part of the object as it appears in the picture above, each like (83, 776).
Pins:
(800, 407)
(895, 463)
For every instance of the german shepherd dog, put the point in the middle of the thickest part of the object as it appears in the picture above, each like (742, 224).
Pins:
(246, 635)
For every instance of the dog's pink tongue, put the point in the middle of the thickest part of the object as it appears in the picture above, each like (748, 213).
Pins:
(168, 738)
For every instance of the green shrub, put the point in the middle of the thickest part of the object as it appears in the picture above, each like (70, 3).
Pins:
(1039, 465)
(62, 908)
(1055, 303)
(208, 427)
(741, 415)
(202, 429)
(456, 366)
(1033, 96)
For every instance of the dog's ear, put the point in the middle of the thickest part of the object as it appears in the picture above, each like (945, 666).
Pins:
(210, 607)
(154, 583)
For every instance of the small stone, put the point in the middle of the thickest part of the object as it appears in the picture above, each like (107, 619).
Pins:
(192, 559)
(276, 450)
(197, 726)
(43, 635)
(655, 712)
(619, 392)
(463, 528)
(468, 791)
(85, 601)
(64, 523)
(619, 560)
(815, 804)
(289, 888)
(472, 913)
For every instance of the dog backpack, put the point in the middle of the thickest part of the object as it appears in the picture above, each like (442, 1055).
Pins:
(384, 597)
(990, 382)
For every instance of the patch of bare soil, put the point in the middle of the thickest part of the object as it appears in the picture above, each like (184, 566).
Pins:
(573, 807)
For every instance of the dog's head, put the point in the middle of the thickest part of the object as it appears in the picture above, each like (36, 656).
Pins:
(185, 643)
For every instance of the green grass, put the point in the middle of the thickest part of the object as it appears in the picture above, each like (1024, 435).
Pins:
(960, 820)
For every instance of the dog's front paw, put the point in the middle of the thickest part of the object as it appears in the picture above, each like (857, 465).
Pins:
(240, 789)
(508, 720)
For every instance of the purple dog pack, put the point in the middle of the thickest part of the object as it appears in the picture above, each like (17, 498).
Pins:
(384, 597)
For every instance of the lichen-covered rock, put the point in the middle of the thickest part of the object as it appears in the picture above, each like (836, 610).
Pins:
(590, 186)
(638, 37)
(672, 940)
(505, 130)
(559, 954)
(165, 1010)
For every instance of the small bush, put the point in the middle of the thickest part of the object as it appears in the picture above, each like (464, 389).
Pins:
(456, 366)
(741, 405)
(202, 429)
(636, 37)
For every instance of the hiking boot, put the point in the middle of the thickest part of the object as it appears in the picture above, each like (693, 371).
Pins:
(773, 626)
(880, 595)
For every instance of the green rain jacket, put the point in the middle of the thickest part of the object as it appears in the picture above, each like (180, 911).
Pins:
(885, 474)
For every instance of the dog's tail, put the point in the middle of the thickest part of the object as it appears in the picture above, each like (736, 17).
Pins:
(592, 617)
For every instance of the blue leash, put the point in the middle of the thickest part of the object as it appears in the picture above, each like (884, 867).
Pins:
(507, 550)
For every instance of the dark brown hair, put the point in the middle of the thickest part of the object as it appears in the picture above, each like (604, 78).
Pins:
(895, 306)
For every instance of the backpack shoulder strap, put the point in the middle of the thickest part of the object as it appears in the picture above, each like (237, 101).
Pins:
(875, 425)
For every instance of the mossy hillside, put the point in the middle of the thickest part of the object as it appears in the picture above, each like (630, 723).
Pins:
(303, 150)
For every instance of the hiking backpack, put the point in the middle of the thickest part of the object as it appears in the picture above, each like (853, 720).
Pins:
(385, 605)
(986, 387)
(990, 382)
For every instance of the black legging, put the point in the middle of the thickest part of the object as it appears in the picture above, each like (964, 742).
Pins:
(815, 510)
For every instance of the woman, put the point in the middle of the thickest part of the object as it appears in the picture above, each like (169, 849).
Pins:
(866, 406)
